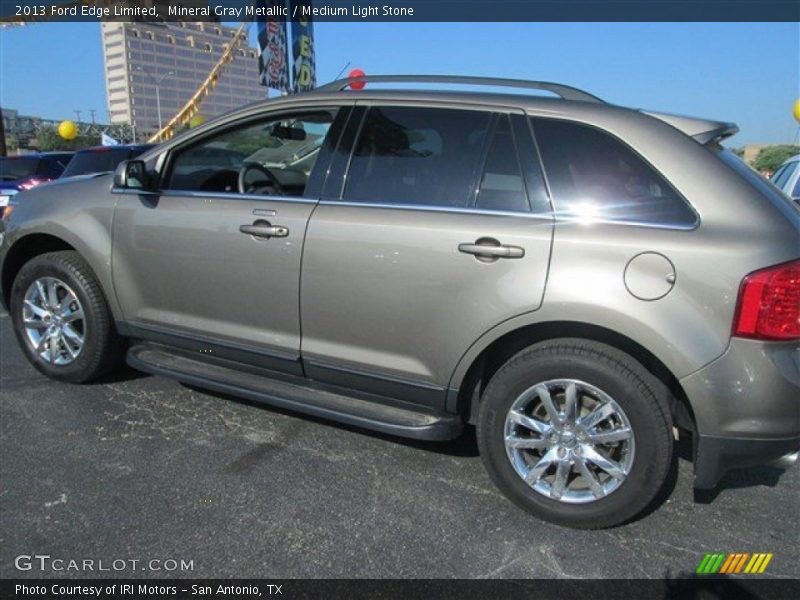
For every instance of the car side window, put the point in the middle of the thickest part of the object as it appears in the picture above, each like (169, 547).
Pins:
(783, 177)
(594, 176)
(502, 186)
(274, 157)
(420, 156)
(777, 174)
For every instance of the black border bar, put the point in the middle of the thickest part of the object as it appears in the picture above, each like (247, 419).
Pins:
(706, 587)
(438, 10)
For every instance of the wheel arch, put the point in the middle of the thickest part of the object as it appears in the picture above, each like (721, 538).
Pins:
(30, 245)
(22, 251)
(482, 367)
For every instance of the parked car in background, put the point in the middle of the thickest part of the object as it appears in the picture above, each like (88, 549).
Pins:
(787, 177)
(100, 159)
(576, 279)
(20, 173)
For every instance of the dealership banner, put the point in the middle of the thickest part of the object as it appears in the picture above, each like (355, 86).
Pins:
(273, 60)
(305, 64)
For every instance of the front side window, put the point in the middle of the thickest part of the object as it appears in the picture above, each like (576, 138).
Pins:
(594, 176)
(266, 158)
(420, 156)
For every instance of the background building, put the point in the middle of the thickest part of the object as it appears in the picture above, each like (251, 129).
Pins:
(148, 62)
(750, 152)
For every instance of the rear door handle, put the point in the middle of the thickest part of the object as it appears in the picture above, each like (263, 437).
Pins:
(492, 251)
(265, 231)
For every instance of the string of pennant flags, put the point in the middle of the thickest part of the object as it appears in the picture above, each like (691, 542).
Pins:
(192, 106)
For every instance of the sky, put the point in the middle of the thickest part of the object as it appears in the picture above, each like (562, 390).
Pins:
(748, 73)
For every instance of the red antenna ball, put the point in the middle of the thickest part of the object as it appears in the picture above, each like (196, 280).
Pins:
(358, 85)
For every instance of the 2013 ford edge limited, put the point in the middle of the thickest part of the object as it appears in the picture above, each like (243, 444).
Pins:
(578, 280)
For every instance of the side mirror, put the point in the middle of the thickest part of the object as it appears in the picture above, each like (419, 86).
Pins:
(132, 175)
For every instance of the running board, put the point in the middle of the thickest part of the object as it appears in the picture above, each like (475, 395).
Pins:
(420, 424)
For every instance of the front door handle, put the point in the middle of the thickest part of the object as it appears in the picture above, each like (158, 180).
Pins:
(492, 251)
(264, 230)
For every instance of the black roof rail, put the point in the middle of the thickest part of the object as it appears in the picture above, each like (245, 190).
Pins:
(566, 92)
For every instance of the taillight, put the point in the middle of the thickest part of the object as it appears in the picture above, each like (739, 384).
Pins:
(32, 182)
(769, 304)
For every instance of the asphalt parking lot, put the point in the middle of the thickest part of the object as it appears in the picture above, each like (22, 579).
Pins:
(140, 467)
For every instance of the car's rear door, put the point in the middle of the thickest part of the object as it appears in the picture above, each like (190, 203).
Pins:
(438, 229)
(215, 267)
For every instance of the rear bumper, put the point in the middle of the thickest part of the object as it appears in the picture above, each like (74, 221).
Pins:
(746, 408)
(715, 456)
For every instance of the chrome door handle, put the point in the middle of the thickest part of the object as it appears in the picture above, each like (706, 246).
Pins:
(492, 251)
(265, 230)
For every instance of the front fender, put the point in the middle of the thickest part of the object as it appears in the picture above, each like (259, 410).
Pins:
(78, 213)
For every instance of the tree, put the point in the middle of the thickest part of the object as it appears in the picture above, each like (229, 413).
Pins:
(770, 158)
(47, 139)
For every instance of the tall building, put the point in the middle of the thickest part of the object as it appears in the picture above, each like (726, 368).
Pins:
(148, 62)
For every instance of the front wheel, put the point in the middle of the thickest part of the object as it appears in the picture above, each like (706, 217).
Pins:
(61, 318)
(576, 432)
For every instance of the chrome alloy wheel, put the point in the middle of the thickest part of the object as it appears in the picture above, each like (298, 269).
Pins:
(54, 322)
(569, 441)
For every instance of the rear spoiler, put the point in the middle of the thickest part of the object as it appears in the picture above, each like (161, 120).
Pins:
(702, 130)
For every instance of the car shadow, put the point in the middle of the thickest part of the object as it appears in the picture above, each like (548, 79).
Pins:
(465, 445)
(120, 375)
(766, 475)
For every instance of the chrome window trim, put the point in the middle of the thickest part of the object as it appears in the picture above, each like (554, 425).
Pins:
(443, 209)
(239, 196)
(217, 195)
(498, 213)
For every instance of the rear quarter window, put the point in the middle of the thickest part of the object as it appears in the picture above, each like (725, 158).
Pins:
(593, 175)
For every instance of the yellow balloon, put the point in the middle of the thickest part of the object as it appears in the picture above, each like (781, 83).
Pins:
(796, 110)
(68, 130)
(197, 120)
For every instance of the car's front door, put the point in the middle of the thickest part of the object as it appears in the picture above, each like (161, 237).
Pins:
(437, 233)
(212, 261)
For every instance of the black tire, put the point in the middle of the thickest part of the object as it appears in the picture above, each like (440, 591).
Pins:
(102, 348)
(642, 397)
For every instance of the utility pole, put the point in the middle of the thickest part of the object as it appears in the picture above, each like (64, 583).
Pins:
(78, 114)
(2, 134)
(157, 83)
(92, 111)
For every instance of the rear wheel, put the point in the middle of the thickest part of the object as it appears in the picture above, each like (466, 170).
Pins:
(61, 318)
(576, 432)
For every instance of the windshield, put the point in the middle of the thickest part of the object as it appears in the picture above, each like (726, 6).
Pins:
(95, 161)
(18, 167)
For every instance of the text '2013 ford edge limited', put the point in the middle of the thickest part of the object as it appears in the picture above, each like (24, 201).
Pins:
(576, 279)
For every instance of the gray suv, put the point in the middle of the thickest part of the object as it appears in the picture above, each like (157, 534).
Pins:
(580, 281)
